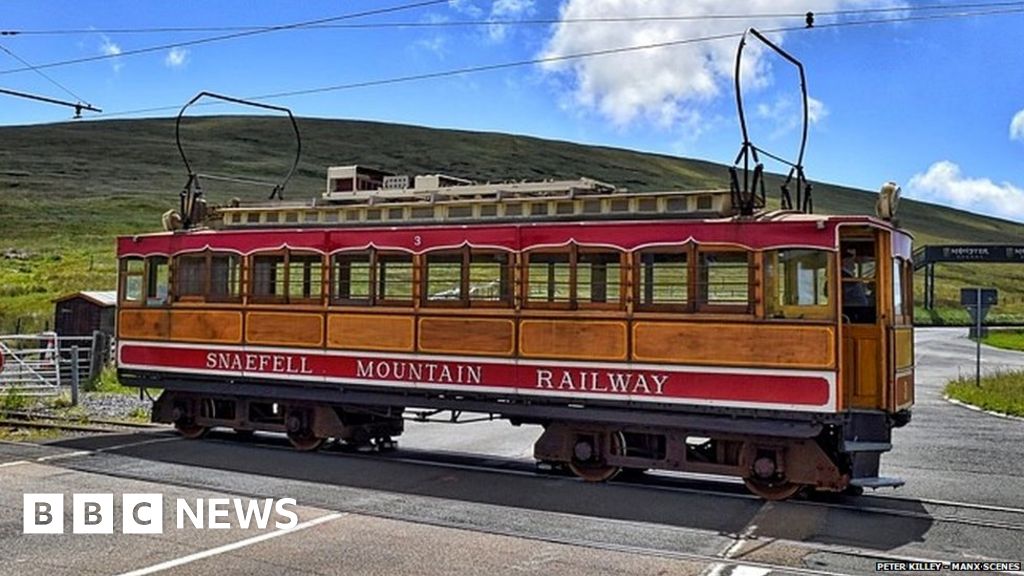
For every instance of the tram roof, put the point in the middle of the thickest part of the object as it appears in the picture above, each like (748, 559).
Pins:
(768, 230)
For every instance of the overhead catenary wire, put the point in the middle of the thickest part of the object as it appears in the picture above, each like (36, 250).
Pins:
(44, 75)
(522, 21)
(583, 55)
(232, 36)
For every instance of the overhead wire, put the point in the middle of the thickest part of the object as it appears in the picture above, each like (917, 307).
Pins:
(232, 36)
(522, 22)
(589, 54)
(44, 75)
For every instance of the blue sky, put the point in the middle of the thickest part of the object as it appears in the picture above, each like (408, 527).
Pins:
(937, 106)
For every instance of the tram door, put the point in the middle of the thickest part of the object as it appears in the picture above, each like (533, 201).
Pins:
(863, 331)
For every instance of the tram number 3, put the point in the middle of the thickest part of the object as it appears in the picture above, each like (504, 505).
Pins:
(417, 240)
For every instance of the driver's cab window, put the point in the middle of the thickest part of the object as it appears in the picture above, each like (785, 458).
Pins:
(859, 275)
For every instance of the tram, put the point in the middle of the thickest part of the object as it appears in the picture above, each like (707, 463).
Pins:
(695, 331)
(654, 330)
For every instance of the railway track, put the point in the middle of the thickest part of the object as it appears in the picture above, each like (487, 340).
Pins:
(43, 421)
(946, 512)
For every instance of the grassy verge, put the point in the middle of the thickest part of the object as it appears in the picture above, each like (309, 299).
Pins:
(1003, 392)
(1006, 339)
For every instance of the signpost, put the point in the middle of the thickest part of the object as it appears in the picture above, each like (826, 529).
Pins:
(978, 301)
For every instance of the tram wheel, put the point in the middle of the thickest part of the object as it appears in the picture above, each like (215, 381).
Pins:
(190, 430)
(594, 469)
(779, 490)
(306, 442)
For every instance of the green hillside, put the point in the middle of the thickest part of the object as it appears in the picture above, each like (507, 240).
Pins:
(66, 190)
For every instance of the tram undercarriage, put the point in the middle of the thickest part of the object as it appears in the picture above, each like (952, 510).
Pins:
(776, 459)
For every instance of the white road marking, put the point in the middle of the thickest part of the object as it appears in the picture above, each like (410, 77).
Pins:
(63, 455)
(14, 463)
(229, 547)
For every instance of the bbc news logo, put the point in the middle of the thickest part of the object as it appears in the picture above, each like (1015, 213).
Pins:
(144, 513)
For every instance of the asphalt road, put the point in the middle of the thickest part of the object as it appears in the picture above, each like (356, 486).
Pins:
(466, 499)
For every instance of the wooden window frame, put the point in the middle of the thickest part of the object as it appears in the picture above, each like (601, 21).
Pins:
(353, 256)
(204, 276)
(151, 282)
(792, 312)
(699, 289)
(228, 298)
(579, 304)
(638, 270)
(568, 304)
(379, 299)
(286, 297)
(505, 281)
(124, 274)
(461, 302)
(318, 298)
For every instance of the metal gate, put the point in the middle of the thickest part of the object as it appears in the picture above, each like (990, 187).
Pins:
(30, 364)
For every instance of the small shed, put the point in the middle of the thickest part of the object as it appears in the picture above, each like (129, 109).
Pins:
(82, 313)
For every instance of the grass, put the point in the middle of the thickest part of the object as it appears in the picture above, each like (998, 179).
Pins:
(107, 382)
(68, 189)
(1006, 339)
(1002, 392)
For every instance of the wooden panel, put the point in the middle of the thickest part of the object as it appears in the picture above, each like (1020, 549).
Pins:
(573, 339)
(222, 326)
(370, 332)
(492, 336)
(143, 324)
(904, 390)
(284, 329)
(903, 340)
(868, 378)
(756, 345)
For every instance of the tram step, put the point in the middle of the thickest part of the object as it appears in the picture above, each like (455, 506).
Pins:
(855, 446)
(878, 482)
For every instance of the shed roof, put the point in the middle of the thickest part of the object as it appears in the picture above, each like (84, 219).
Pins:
(100, 298)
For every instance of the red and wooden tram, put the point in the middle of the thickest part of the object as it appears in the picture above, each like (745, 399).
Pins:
(658, 330)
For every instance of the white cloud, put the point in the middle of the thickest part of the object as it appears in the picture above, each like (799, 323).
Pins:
(176, 58)
(1017, 126)
(109, 48)
(943, 183)
(507, 10)
(666, 84)
(500, 10)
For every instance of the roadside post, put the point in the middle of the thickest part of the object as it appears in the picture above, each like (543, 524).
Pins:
(978, 301)
(74, 375)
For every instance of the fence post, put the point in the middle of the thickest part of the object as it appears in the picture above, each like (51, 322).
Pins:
(98, 354)
(75, 376)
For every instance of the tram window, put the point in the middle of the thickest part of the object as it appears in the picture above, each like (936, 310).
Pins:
(663, 279)
(489, 278)
(859, 281)
(901, 289)
(393, 273)
(724, 278)
(797, 284)
(208, 276)
(305, 277)
(156, 281)
(132, 274)
(549, 278)
(443, 277)
(599, 278)
(190, 275)
(268, 277)
(352, 281)
(225, 277)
